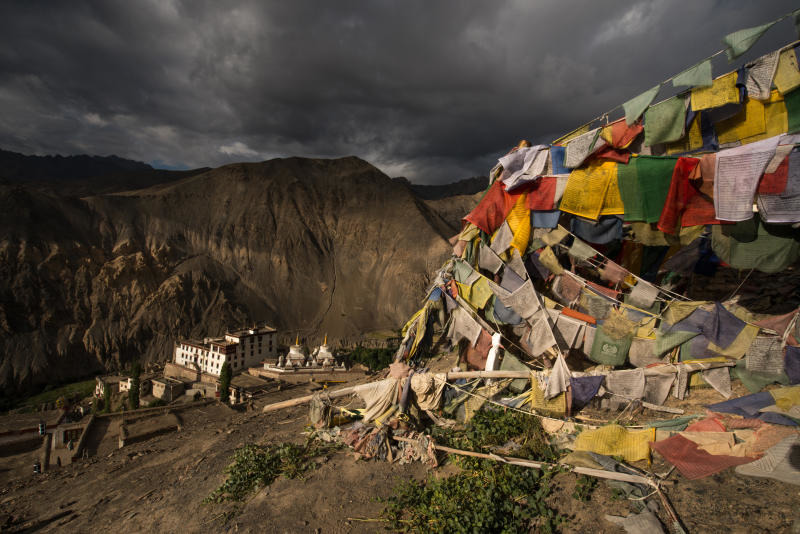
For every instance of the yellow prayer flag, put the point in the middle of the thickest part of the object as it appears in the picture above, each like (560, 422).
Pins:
(787, 75)
(722, 91)
(786, 397)
(614, 440)
(612, 204)
(776, 119)
(586, 190)
(549, 260)
(747, 123)
(679, 310)
(478, 294)
(555, 406)
(519, 220)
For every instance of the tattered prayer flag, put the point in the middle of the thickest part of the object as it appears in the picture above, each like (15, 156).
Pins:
(636, 105)
(664, 122)
(572, 135)
(722, 91)
(787, 76)
(643, 294)
(747, 123)
(554, 237)
(760, 75)
(736, 178)
(697, 76)
(580, 250)
(740, 41)
(615, 440)
(579, 148)
(619, 134)
(550, 261)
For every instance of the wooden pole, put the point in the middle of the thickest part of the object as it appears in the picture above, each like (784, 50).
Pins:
(453, 375)
(597, 473)
(302, 400)
(648, 371)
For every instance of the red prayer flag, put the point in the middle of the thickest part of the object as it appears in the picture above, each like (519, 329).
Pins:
(541, 197)
(774, 183)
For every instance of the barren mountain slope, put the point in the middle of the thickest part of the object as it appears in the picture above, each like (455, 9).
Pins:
(312, 245)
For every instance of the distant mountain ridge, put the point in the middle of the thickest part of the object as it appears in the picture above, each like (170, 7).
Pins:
(467, 186)
(82, 175)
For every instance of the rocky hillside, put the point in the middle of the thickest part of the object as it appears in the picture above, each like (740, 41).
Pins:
(311, 245)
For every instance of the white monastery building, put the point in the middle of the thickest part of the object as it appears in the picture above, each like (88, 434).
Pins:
(241, 349)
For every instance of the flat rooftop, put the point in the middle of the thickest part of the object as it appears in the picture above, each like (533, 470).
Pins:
(264, 329)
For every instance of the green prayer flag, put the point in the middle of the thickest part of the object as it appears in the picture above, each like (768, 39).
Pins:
(643, 185)
(773, 248)
(664, 122)
(697, 76)
(740, 41)
(792, 102)
(608, 350)
(635, 106)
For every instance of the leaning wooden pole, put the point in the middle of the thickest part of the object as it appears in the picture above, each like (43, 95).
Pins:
(598, 473)
(454, 375)
(334, 394)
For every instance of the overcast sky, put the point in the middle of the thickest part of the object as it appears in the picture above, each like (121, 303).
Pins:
(434, 91)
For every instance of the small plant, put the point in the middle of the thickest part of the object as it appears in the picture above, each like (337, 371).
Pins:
(255, 466)
(584, 488)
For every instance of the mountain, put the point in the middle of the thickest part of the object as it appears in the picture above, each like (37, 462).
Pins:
(82, 175)
(467, 186)
(315, 246)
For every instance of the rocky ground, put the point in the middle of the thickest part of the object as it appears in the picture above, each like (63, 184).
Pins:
(160, 484)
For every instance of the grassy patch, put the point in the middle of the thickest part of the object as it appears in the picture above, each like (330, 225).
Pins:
(75, 390)
(486, 496)
(255, 466)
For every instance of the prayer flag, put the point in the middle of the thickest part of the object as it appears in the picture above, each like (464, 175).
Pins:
(740, 41)
(697, 76)
(637, 105)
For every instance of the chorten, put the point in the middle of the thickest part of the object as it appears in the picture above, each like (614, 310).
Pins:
(323, 355)
(296, 356)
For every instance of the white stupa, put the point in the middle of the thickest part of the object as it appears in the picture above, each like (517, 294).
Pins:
(323, 355)
(296, 356)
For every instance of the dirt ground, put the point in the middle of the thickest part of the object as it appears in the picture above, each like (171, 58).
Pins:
(158, 485)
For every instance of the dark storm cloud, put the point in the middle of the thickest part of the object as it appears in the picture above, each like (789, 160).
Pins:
(431, 90)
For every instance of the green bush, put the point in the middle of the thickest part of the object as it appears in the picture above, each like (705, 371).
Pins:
(486, 496)
(373, 359)
(256, 466)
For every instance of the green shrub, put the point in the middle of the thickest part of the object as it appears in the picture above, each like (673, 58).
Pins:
(373, 359)
(255, 466)
(486, 496)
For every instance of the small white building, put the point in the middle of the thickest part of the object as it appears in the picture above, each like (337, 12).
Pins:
(241, 349)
